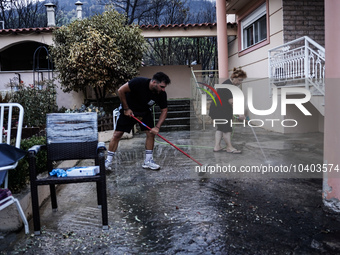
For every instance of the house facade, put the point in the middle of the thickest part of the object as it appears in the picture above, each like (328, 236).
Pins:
(17, 48)
(262, 25)
(272, 24)
(275, 26)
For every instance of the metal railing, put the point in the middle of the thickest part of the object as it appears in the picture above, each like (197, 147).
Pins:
(299, 62)
(198, 78)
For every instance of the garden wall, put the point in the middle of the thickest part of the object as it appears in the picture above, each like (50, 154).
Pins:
(179, 88)
(179, 75)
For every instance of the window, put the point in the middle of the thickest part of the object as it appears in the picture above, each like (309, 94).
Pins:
(254, 27)
(20, 57)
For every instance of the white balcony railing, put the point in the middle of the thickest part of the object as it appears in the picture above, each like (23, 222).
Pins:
(299, 62)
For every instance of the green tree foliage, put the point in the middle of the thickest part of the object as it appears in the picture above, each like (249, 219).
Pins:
(100, 52)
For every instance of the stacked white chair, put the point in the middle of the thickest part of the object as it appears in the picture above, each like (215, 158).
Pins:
(6, 113)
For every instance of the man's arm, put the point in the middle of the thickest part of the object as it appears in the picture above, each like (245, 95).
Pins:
(161, 119)
(121, 93)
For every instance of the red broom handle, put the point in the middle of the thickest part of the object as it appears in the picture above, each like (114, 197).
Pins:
(186, 154)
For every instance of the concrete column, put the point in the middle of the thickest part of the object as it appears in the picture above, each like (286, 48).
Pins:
(222, 38)
(331, 181)
(50, 8)
(79, 10)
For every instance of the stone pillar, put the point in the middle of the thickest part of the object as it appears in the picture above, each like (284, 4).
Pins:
(222, 38)
(331, 180)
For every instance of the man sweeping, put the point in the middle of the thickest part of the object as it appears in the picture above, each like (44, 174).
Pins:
(137, 97)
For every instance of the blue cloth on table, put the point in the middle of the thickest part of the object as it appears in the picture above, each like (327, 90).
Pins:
(58, 172)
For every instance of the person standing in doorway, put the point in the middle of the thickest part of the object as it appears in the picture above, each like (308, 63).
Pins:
(137, 97)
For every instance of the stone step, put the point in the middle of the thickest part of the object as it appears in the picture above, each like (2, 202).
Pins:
(179, 107)
(176, 114)
(177, 121)
(179, 101)
(179, 115)
(166, 128)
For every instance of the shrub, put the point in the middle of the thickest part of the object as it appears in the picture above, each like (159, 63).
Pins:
(99, 110)
(36, 102)
(5, 97)
(100, 52)
(19, 177)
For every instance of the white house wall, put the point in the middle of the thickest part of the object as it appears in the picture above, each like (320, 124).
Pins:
(67, 100)
(10, 39)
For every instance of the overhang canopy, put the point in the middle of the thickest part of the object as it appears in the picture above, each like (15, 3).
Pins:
(184, 30)
(234, 6)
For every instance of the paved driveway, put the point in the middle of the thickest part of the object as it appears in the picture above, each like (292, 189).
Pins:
(177, 211)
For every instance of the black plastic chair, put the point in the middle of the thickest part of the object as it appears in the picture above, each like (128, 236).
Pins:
(69, 136)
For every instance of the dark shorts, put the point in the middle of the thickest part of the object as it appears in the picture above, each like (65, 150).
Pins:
(126, 123)
(225, 128)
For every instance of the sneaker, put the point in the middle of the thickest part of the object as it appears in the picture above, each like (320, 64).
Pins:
(108, 164)
(151, 165)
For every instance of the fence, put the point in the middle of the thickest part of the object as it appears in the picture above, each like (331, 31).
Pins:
(105, 123)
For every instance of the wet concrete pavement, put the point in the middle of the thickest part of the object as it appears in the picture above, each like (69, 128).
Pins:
(177, 211)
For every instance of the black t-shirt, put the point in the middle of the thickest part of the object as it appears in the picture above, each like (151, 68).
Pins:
(141, 98)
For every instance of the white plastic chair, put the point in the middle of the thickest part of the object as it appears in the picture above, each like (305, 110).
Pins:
(7, 115)
(115, 115)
